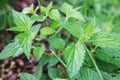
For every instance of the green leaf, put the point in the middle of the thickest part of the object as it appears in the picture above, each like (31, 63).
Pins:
(55, 24)
(43, 9)
(44, 60)
(49, 7)
(35, 29)
(26, 76)
(71, 12)
(74, 27)
(109, 55)
(38, 51)
(54, 73)
(53, 61)
(29, 9)
(54, 14)
(12, 49)
(56, 42)
(104, 40)
(47, 31)
(3, 20)
(22, 20)
(89, 74)
(39, 18)
(25, 41)
(46, 10)
(74, 55)
(18, 28)
(90, 29)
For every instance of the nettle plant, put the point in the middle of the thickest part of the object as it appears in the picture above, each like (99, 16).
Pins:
(71, 47)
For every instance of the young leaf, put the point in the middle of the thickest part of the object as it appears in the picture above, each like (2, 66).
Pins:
(90, 29)
(74, 56)
(43, 9)
(12, 49)
(49, 7)
(25, 41)
(46, 10)
(74, 27)
(38, 52)
(104, 40)
(71, 12)
(26, 76)
(54, 14)
(47, 31)
(29, 9)
(56, 42)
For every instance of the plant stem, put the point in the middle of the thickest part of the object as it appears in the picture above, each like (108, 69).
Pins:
(59, 59)
(57, 31)
(89, 53)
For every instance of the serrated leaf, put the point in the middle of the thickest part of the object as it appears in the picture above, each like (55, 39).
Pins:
(47, 31)
(90, 29)
(46, 10)
(25, 41)
(104, 40)
(35, 29)
(38, 51)
(29, 9)
(53, 61)
(71, 12)
(109, 55)
(74, 55)
(26, 76)
(66, 8)
(74, 27)
(54, 14)
(56, 42)
(21, 19)
(89, 74)
(12, 49)
(54, 73)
